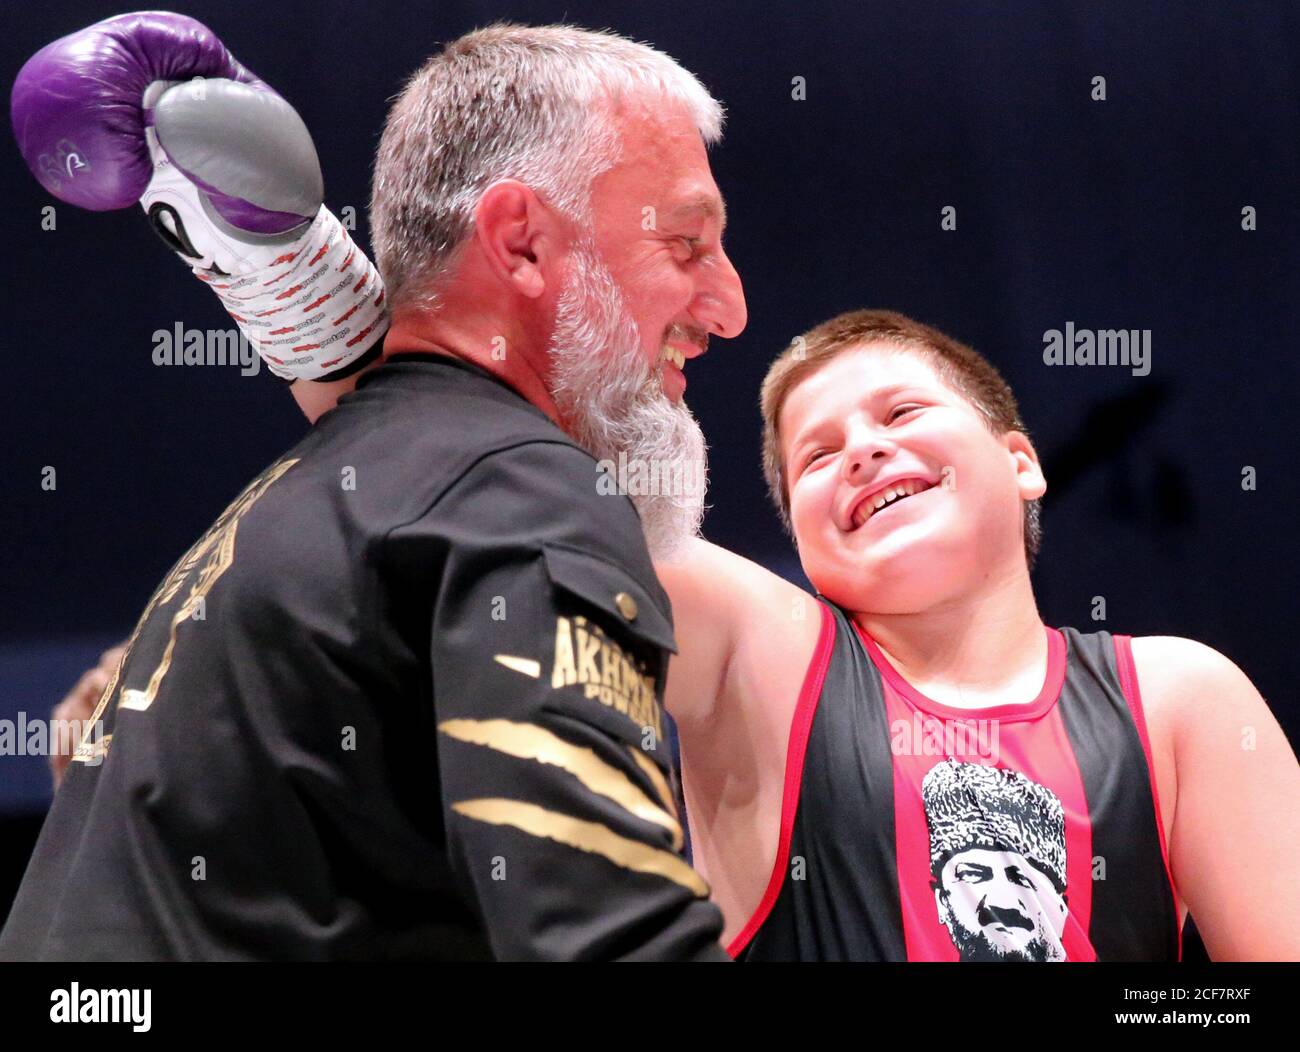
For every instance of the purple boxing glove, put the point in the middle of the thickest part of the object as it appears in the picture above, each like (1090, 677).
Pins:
(151, 108)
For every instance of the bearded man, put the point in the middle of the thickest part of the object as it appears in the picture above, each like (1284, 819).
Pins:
(403, 699)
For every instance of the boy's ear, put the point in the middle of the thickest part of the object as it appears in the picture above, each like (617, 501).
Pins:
(1029, 473)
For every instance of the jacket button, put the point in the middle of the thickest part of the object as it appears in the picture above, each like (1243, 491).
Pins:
(626, 605)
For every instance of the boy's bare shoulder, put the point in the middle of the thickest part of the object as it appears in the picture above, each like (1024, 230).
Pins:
(1186, 684)
(1187, 666)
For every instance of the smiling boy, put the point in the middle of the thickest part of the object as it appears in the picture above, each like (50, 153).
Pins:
(1132, 779)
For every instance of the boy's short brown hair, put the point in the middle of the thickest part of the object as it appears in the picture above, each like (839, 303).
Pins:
(965, 370)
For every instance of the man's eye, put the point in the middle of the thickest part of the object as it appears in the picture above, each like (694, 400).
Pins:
(816, 454)
(903, 410)
(691, 243)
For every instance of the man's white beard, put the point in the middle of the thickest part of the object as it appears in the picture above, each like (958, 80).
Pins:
(611, 401)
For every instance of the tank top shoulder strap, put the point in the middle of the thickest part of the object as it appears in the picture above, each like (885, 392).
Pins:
(1101, 705)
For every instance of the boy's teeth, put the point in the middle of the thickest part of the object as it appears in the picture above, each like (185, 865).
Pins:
(667, 354)
(902, 489)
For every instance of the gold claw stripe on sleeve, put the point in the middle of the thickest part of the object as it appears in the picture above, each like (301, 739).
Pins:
(585, 836)
(527, 741)
(656, 777)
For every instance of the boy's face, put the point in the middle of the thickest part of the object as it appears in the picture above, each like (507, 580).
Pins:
(878, 417)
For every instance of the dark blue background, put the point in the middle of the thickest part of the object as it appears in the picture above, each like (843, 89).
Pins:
(1117, 214)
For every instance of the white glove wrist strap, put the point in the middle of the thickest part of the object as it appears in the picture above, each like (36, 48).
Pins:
(314, 309)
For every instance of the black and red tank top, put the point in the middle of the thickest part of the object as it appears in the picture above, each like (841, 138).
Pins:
(915, 831)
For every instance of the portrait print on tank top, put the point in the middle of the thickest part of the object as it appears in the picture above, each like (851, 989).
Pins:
(997, 860)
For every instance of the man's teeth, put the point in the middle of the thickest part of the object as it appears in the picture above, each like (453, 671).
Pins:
(901, 489)
(667, 354)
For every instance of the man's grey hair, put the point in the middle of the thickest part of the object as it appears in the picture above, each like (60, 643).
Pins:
(533, 103)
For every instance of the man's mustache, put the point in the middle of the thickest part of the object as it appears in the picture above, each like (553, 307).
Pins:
(1007, 918)
(687, 334)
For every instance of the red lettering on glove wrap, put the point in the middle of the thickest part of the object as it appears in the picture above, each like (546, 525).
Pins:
(361, 335)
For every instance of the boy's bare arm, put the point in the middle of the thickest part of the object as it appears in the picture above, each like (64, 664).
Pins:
(1236, 837)
(721, 602)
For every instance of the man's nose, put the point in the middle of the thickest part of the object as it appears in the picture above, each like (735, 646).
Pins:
(1003, 896)
(721, 306)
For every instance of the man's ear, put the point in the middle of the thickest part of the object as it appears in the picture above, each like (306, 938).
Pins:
(1029, 473)
(516, 234)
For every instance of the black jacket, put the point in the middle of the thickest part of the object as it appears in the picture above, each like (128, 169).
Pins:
(401, 701)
